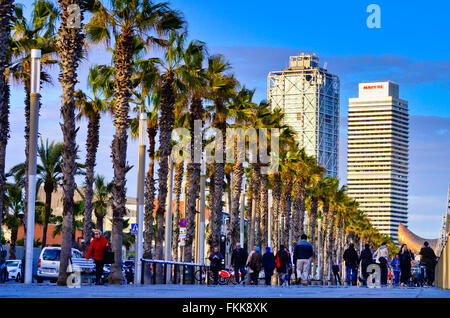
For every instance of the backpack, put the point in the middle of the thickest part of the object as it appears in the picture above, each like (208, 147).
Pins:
(277, 261)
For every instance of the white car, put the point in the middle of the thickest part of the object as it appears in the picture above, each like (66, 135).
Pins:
(48, 264)
(14, 268)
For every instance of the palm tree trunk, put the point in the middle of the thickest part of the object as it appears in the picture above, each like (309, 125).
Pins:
(70, 42)
(6, 11)
(27, 88)
(298, 213)
(149, 203)
(12, 248)
(238, 172)
(99, 223)
(48, 203)
(276, 202)
(123, 60)
(193, 179)
(218, 178)
(91, 153)
(166, 121)
(330, 242)
(323, 235)
(248, 211)
(286, 204)
(258, 209)
(178, 185)
(312, 224)
(255, 191)
(264, 208)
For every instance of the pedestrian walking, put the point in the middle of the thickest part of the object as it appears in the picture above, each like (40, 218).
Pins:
(282, 264)
(238, 261)
(254, 264)
(381, 257)
(405, 257)
(396, 269)
(268, 264)
(216, 264)
(351, 264)
(365, 259)
(289, 272)
(303, 251)
(96, 249)
(428, 259)
(336, 273)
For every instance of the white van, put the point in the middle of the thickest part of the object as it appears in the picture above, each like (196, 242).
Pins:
(48, 264)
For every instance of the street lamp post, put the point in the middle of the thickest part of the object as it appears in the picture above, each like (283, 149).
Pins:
(270, 220)
(201, 247)
(31, 173)
(168, 230)
(140, 198)
(241, 228)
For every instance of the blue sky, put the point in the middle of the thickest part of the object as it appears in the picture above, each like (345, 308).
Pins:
(412, 48)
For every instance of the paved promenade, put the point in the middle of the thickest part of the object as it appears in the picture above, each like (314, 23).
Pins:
(186, 291)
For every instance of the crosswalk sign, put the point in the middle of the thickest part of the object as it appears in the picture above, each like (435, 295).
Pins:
(134, 228)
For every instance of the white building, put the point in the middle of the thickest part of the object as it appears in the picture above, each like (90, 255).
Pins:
(378, 154)
(309, 97)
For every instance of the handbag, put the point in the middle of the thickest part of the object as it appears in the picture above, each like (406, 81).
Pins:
(108, 255)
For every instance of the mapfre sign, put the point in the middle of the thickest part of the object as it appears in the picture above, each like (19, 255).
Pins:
(373, 87)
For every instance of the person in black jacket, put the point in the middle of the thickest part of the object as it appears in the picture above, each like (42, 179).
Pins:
(428, 259)
(351, 264)
(406, 257)
(268, 264)
(282, 264)
(366, 258)
(238, 261)
(216, 264)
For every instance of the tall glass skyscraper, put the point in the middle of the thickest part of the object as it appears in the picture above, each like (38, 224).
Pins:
(378, 155)
(309, 96)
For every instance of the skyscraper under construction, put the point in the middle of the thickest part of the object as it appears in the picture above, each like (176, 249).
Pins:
(309, 96)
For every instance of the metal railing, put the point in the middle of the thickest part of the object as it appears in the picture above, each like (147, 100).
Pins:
(442, 269)
(179, 271)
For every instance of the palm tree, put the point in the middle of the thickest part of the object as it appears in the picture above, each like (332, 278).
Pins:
(91, 108)
(129, 22)
(241, 105)
(102, 200)
(146, 98)
(302, 179)
(77, 222)
(220, 87)
(49, 174)
(193, 77)
(172, 73)
(70, 45)
(6, 12)
(13, 205)
(38, 33)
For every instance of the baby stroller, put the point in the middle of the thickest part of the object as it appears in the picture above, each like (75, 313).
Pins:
(417, 276)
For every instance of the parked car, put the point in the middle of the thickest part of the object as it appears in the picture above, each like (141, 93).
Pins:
(14, 267)
(48, 264)
(3, 269)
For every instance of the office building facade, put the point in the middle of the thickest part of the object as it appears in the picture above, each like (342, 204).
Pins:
(309, 96)
(377, 165)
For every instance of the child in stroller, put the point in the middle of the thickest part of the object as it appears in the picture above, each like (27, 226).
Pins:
(417, 275)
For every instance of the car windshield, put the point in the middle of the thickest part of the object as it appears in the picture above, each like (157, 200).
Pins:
(12, 263)
(51, 255)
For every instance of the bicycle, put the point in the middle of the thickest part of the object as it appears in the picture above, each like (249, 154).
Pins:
(205, 272)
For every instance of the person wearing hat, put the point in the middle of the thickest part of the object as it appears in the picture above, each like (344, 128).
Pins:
(268, 264)
(254, 264)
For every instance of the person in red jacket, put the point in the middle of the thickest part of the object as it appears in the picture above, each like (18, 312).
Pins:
(97, 247)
